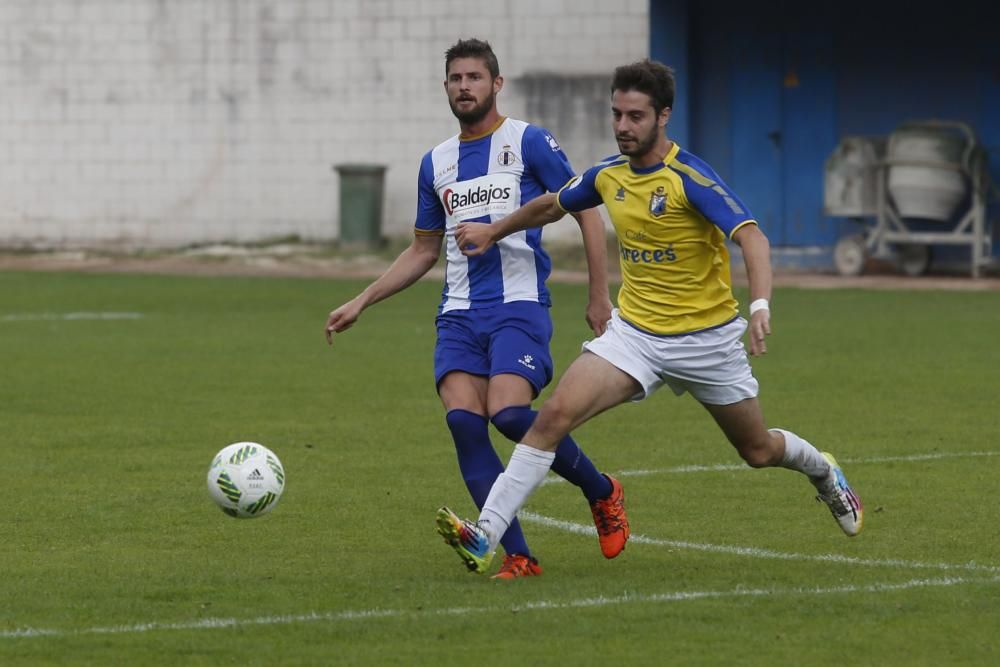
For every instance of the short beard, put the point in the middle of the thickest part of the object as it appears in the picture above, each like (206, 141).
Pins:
(643, 145)
(476, 114)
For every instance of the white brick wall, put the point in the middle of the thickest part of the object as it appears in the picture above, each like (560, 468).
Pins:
(169, 122)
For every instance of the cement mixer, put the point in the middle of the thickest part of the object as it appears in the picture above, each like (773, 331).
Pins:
(928, 167)
(930, 189)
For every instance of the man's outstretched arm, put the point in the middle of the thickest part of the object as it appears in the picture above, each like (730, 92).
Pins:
(475, 238)
(412, 263)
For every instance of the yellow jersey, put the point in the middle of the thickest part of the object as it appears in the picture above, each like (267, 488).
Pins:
(672, 221)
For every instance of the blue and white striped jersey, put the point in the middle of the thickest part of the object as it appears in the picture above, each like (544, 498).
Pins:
(482, 179)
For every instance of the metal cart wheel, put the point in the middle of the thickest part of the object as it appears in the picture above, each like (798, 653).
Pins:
(913, 258)
(850, 255)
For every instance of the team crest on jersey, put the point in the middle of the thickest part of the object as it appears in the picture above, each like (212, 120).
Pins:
(506, 156)
(658, 202)
(620, 195)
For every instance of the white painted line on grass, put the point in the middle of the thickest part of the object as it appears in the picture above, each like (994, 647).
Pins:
(34, 317)
(754, 552)
(601, 601)
(922, 457)
(740, 467)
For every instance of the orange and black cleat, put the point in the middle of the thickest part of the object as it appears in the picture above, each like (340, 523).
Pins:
(518, 565)
(611, 520)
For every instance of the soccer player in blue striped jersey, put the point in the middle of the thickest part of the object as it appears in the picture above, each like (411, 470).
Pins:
(677, 321)
(493, 325)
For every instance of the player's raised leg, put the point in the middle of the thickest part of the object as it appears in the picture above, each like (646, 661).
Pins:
(826, 475)
(743, 424)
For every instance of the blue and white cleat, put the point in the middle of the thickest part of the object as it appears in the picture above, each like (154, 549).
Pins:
(468, 540)
(844, 504)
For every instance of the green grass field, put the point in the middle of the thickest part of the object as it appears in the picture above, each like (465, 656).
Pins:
(112, 553)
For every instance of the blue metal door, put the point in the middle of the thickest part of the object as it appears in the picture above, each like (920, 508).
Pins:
(808, 135)
(756, 128)
(784, 127)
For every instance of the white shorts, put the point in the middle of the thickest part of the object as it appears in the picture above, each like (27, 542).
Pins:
(711, 364)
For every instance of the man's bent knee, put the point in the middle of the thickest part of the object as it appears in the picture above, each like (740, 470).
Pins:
(760, 452)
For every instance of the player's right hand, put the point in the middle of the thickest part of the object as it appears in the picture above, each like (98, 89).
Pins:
(341, 319)
(473, 238)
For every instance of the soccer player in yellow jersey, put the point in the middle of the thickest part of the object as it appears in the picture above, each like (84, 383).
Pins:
(677, 322)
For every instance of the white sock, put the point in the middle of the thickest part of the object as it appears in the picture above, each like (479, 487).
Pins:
(803, 457)
(525, 472)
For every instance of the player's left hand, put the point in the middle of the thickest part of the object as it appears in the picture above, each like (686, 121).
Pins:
(760, 326)
(473, 238)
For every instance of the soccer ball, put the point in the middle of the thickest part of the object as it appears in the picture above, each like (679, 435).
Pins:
(246, 480)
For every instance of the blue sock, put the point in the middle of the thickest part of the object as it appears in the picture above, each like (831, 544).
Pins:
(480, 467)
(571, 463)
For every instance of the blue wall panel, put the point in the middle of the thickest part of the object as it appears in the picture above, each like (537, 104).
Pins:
(756, 128)
(668, 43)
(808, 136)
(711, 94)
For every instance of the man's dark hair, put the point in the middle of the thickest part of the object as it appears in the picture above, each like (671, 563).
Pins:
(650, 77)
(473, 48)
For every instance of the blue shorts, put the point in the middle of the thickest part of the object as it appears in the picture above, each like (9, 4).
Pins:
(509, 338)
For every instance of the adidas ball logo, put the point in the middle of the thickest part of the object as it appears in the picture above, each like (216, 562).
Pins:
(255, 476)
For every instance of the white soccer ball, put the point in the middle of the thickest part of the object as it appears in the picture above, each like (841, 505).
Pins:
(246, 480)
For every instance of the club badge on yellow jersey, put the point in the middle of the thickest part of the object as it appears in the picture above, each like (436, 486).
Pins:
(658, 203)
